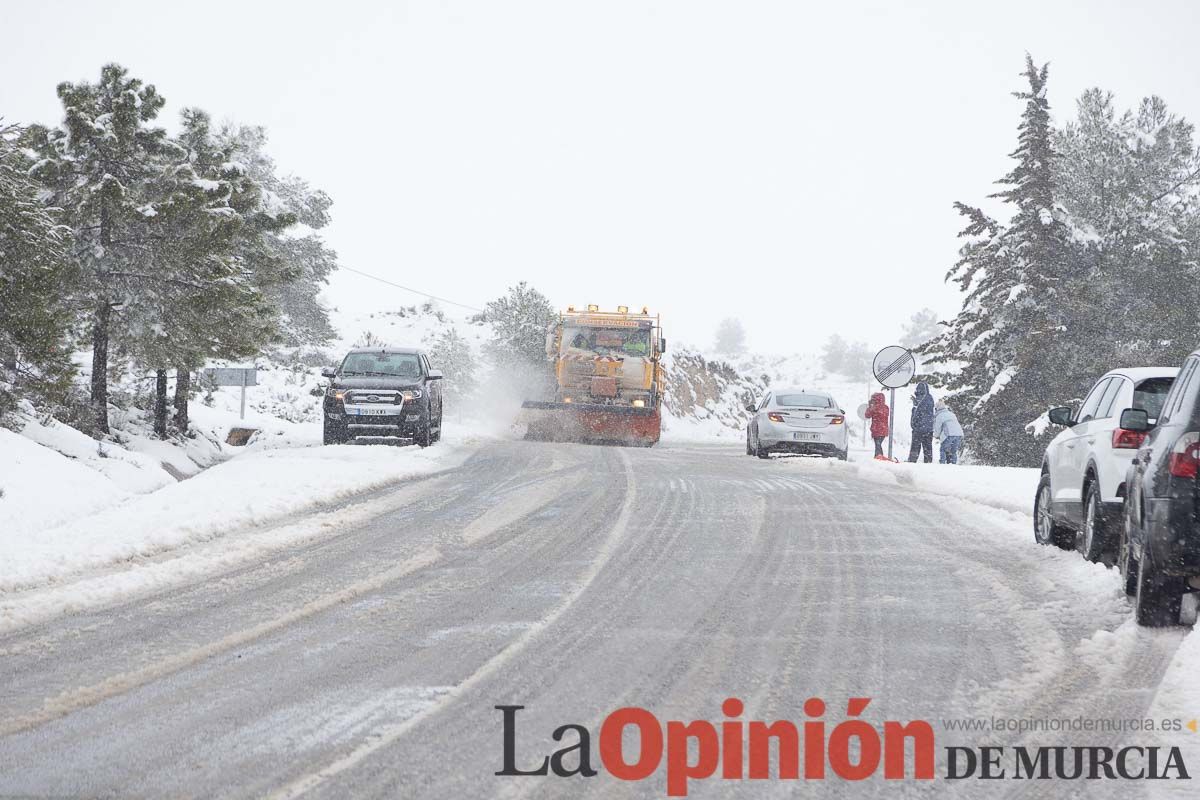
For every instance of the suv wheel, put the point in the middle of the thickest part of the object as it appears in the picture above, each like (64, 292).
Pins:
(1158, 597)
(1092, 540)
(1127, 565)
(1045, 529)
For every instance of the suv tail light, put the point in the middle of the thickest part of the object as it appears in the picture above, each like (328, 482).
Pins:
(836, 419)
(775, 417)
(1127, 440)
(1185, 456)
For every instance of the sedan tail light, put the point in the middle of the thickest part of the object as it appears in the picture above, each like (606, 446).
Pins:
(1127, 440)
(836, 419)
(1184, 461)
(775, 417)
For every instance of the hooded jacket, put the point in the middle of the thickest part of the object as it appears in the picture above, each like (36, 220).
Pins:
(878, 412)
(946, 424)
(922, 413)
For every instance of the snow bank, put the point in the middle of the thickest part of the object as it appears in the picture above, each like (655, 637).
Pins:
(127, 470)
(262, 485)
(1004, 488)
(40, 487)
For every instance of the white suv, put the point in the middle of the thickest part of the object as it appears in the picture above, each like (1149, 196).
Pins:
(1079, 497)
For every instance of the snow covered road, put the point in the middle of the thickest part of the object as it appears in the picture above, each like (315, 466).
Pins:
(575, 580)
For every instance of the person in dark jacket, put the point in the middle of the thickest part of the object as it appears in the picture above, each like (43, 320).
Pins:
(878, 413)
(922, 424)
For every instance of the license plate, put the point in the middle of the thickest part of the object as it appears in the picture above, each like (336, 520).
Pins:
(806, 437)
(368, 412)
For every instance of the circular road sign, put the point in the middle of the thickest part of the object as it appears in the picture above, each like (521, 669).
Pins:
(894, 366)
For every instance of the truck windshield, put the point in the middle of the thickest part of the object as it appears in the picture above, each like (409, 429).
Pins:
(607, 341)
(395, 365)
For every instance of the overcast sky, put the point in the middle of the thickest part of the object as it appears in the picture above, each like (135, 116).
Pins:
(789, 163)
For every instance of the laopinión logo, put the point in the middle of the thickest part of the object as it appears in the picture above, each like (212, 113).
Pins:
(851, 750)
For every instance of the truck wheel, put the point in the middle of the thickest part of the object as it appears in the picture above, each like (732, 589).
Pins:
(1158, 598)
(334, 434)
(1045, 529)
(424, 436)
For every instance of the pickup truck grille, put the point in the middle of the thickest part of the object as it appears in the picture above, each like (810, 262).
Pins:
(363, 397)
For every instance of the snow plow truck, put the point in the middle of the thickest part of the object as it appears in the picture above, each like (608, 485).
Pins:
(608, 379)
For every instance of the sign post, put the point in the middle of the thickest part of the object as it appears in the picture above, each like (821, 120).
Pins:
(234, 376)
(893, 366)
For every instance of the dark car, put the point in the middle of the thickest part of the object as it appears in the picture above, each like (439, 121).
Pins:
(1159, 552)
(383, 394)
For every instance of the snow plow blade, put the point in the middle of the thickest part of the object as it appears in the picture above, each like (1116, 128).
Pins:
(597, 423)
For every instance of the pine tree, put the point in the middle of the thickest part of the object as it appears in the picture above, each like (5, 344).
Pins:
(1130, 183)
(99, 167)
(1007, 352)
(920, 328)
(520, 321)
(293, 264)
(33, 265)
(833, 354)
(451, 353)
(731, 337)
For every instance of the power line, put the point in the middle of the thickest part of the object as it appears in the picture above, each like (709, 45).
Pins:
(410, 289)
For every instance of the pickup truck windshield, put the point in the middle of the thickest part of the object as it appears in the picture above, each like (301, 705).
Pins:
(393, 365)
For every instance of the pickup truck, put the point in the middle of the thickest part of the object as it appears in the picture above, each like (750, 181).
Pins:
(383, 394)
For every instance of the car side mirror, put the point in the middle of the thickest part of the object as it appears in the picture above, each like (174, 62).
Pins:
(662, 345)
(1061, 416)
(1136, 420)
(434, 375)
(329, 372)
(751, 407)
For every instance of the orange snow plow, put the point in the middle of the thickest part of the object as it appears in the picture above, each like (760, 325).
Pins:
(608, 379)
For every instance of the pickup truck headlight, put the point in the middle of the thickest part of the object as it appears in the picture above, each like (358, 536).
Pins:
(336, 394)
(411, 394)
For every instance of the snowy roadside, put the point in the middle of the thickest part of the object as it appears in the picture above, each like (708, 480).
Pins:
(251, 490)
(1003, 497)
(1009, 489)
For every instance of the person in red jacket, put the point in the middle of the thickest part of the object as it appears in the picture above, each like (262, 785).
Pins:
(878, 413)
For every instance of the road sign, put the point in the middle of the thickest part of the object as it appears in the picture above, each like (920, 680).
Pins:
(234, 376)
(894, 366)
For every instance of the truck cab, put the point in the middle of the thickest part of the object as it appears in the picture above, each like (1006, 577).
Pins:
(383, 394)
(608, 377)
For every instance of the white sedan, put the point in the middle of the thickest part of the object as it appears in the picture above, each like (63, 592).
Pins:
(800, 421)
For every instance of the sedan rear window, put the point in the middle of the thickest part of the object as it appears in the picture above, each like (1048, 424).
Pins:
(809, 400)
(1150, 394)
